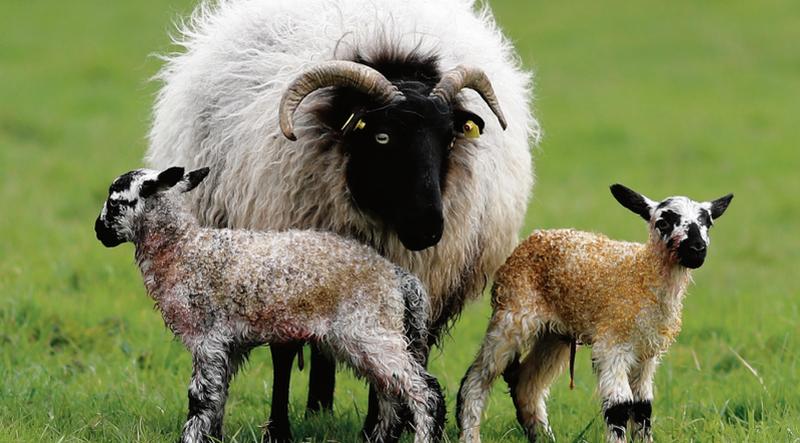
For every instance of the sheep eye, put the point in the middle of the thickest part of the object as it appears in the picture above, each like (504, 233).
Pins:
(382, 138)
(705, 220)
(662, 225)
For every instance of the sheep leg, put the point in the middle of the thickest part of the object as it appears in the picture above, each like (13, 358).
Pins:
(420, 351)
(532, 382)
(383, 358)
(499, 348)
(376, 410)
(384, 421)
(613, 363)
(322, 381)
(214, 363)
(641, 410)
(278, 428)
(422, 396)
(404, 417)
(404, 420)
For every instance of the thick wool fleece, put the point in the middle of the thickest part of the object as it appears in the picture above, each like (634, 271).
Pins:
(218, 107)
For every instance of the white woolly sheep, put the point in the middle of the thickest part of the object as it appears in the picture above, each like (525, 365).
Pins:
(624, 299)
(224, 292)
(430, 180)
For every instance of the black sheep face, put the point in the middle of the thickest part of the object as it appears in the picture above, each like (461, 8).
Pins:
(681, 223)
(398, 157)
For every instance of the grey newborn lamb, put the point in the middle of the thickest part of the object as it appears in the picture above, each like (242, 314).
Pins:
(224, 292)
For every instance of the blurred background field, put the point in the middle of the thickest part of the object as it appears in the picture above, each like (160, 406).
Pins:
(696, 98)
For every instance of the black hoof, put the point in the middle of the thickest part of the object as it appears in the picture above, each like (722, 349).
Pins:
(277, 433)
(316, 405)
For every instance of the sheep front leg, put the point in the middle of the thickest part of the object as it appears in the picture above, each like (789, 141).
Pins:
(214, 363)
(278, 429)
(641, 410)
(613, 364)
(321, 381)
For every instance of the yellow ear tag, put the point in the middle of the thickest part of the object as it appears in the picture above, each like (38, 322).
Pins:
(471, 130)
(360, 124)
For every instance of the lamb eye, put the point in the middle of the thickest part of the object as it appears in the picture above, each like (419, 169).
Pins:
(382, 138)
(662, 225)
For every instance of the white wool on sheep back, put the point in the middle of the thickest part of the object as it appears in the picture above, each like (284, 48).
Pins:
(219, 107)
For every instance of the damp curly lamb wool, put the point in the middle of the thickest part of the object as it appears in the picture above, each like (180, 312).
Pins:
(622, 298)
(223, 292)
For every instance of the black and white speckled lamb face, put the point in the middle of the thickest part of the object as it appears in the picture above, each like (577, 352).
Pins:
(679, 222)
(126, 196)
(114, 225)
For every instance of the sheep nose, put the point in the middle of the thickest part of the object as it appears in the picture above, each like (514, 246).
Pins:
(698, 247)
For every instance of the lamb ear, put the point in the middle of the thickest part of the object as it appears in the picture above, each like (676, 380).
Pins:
(719, 206)
(165, 180)
(632, 200)
(194, 178)
(170, 177)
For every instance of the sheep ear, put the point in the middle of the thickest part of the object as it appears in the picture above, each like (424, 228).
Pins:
(634, 201)
(719, 206)
(165, 180)
(194, 178)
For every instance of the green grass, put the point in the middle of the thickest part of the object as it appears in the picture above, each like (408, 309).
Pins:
(697, 98)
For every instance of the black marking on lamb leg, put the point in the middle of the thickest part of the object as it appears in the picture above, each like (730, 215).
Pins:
(279, 429)
(617, 418)
(436, 407)
(414, 329)
(417, 346)
(405, 421)
(641, 412)
(208, 391)
(322, 381)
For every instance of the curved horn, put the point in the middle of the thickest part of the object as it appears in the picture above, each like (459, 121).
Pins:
(333, 73)
(470, 77)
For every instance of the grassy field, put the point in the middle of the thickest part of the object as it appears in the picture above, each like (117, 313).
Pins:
(697, 98)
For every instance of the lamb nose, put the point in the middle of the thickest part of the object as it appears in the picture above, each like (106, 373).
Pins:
(698, 247)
